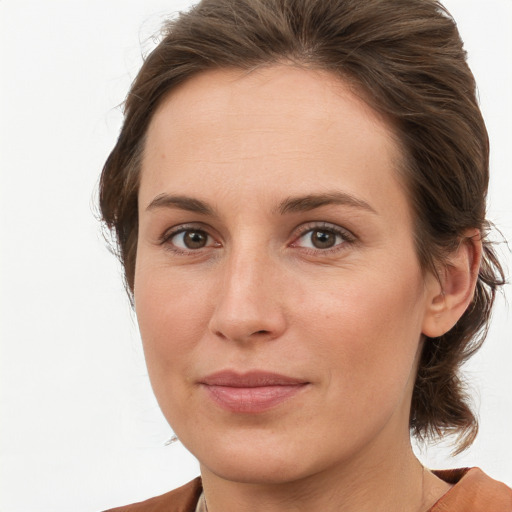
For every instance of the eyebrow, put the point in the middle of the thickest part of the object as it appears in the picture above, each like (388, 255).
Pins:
(290, 205)
(312, 201)
(180, 202)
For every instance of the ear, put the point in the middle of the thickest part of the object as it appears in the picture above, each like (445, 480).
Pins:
(450, 295)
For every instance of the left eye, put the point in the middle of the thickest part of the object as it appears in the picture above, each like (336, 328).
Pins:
(320, 238)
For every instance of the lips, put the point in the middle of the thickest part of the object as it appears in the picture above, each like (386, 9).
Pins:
(251, 392)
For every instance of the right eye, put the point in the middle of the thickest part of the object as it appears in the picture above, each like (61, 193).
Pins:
(190, 239)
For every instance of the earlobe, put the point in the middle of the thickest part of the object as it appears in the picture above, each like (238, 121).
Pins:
(453, 292)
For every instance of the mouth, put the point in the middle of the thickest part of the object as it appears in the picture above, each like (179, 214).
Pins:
(251, 392)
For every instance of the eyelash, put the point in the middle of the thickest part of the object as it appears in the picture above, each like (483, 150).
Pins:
(346, 236)
(167, 237)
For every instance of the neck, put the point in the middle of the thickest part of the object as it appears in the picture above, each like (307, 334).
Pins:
(396, 483)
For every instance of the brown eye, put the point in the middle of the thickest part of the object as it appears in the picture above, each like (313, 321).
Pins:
(195, 239)
(191, 239)
(322, 239)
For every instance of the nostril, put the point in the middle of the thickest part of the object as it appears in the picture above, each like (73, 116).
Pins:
(260, 333)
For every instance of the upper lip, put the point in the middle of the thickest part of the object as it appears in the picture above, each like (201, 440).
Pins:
(251, 379)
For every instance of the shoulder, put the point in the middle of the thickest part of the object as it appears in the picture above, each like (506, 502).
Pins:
(183, 499)
(473, 491)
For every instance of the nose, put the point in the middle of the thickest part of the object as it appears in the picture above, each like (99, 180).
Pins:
(249, 304)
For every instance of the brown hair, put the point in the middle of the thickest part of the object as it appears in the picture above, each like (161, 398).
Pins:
(407, 60)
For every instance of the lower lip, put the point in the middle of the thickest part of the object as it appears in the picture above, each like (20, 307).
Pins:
(252, 400)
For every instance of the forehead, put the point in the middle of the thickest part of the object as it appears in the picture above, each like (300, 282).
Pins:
(277, 127)
(264, 96)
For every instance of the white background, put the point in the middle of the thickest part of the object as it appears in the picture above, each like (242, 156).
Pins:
(80, 429)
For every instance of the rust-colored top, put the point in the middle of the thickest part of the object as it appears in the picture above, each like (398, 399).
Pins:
(183, 499)
(472, 491)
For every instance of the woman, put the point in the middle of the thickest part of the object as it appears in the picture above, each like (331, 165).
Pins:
(298, 193)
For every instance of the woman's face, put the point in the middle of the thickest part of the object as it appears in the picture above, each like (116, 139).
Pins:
(277, 289)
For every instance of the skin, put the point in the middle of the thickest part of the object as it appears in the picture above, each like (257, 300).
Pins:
(259, 294)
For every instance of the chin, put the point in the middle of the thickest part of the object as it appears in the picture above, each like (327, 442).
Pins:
(260, 458)
(246, 469)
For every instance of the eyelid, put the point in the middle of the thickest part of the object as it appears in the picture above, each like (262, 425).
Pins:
(347, 235)
(168, 234)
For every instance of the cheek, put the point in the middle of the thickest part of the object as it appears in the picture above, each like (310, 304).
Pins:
(172, 315)
(368, 330)
(171, 323)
